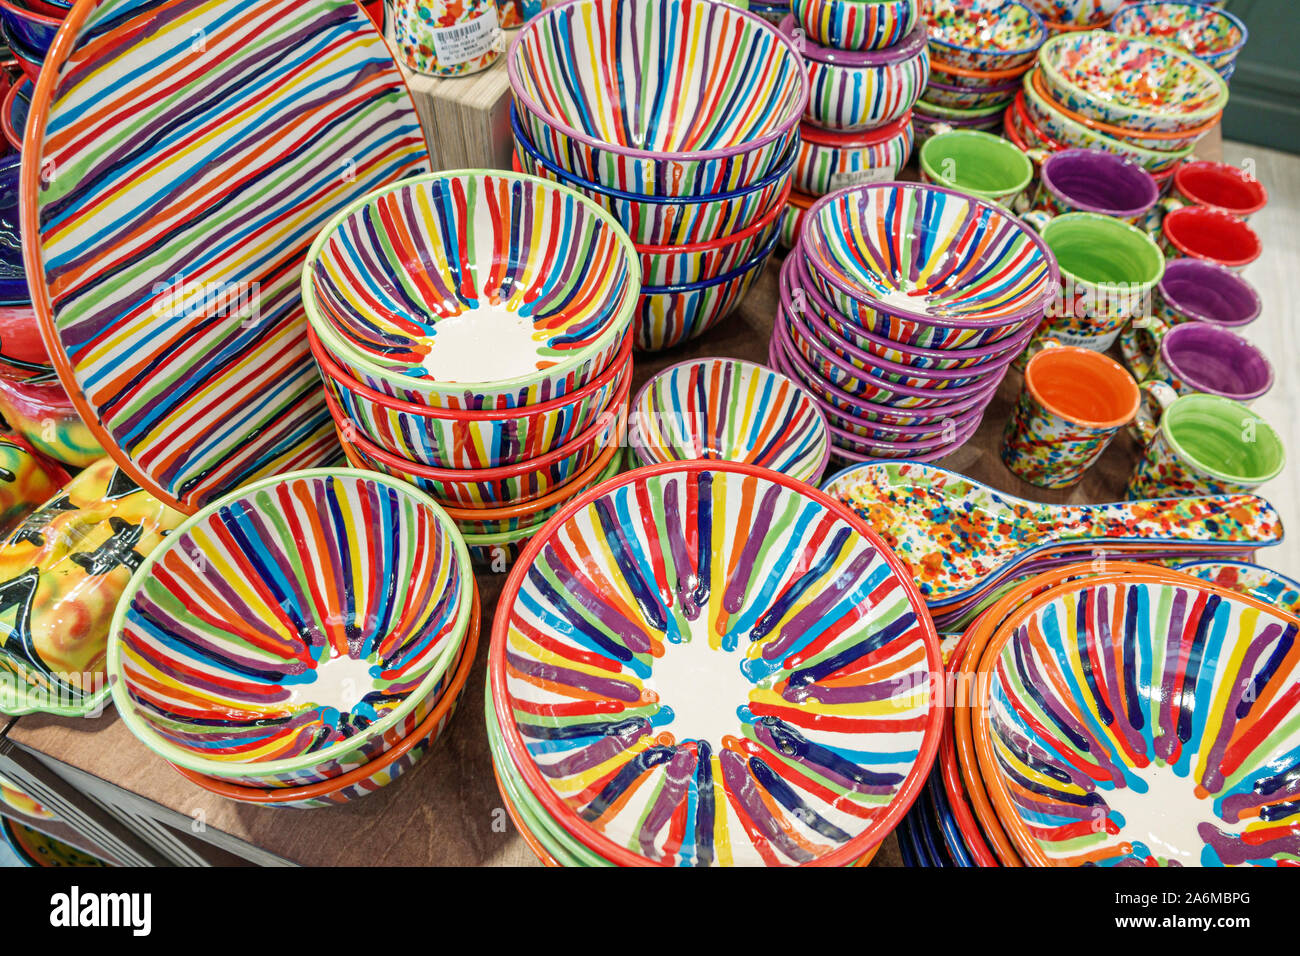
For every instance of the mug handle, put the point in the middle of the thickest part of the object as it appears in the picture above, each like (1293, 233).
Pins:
(1155, 220)
(1156, 399)
(1037, 219)
(1140, 344)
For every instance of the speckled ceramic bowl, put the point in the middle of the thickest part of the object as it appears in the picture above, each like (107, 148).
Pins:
(1094, 13)
(984, 34)
(1208, 33)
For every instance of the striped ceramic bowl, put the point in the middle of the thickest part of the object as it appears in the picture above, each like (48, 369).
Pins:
(927, 266)
(830, 160)
(472, 289)
(665, 220)
(670, 315)
(508, 484)
(658, 97)
(293, 630)
(468, 438)
(856, 24)
(854, 91)
(726, 409)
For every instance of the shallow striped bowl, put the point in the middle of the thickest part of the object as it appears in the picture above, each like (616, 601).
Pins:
(707, 663)
(719, 408)
(477, 283)
(658, 97)
(927, 266)
(293, 630)
(1144, 721)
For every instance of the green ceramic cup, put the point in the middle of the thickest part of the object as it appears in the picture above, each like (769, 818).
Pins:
(976, 163)
(1108, 271)
(1203, 445)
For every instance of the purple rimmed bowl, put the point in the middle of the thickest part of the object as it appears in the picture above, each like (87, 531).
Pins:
(713, 122)
(970, 98)
(1193, 290)
(927, 266)
(848, 447)
(794, 276)
(853, 91)
(874, 412)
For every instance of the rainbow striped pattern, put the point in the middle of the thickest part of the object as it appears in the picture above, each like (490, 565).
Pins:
(440, 247)
(730, 410)
(192, 150)
(659, 77)
(1145, 724)
(854, 24)
(829, 163)
(664, 594)
(221, 641)
(858, 98)
(931, 253)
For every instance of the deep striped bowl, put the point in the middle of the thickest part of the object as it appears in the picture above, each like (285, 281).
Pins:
(1144, 719)
(293, 630)
(472, 287)
(703, 261)
(830, 160)
(666, 220)
(720, 408)
(927, 266)
(670, 315)
(468, 438)
(742, 659)
(658, 97)
(985, 35)
(508, 484)
(857, 24)
(855, 91)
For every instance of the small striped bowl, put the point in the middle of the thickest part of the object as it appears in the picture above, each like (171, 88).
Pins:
(721, 408)
(857, 24)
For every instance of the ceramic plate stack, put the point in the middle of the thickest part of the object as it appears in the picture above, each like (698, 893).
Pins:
(472, 329)
(864, 77)
(681, 118)
(901, 309)
(1125, 95)
(1133, 716)
(979, 49)
(301, 642)
(1213, 36)
(707, 663)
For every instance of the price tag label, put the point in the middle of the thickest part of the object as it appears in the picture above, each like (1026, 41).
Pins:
(465, 41)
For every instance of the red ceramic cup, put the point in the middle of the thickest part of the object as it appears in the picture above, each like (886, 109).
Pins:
(1220, 186)
(1199, 232)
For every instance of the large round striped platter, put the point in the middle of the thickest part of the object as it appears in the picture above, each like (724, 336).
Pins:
(708, 663)
(182, 156)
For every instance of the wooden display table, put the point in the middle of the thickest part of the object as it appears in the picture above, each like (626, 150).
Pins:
(446, 811)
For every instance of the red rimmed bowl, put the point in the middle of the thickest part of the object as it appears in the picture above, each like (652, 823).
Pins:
(509, 484)
(829, 160)
(468, 438)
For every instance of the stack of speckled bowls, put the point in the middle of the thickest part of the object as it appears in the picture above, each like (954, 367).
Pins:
(979, 49)
(867, 64)
(1070, 16)
(902, 307)
(680, 117)
(1144, 100)
(1212, 35)
(473, 332)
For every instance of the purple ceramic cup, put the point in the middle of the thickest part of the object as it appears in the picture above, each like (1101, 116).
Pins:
(1213, 360)
(1089, 180)
(1193, 290)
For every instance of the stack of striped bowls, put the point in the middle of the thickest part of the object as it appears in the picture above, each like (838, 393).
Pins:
(867, 64)
(473, 332)
(902, 306)
(679, 117)
(979, 50)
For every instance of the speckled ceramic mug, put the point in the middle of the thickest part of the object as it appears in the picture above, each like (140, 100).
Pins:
(1202, 445)
(1073, 403)
(1196, 357)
